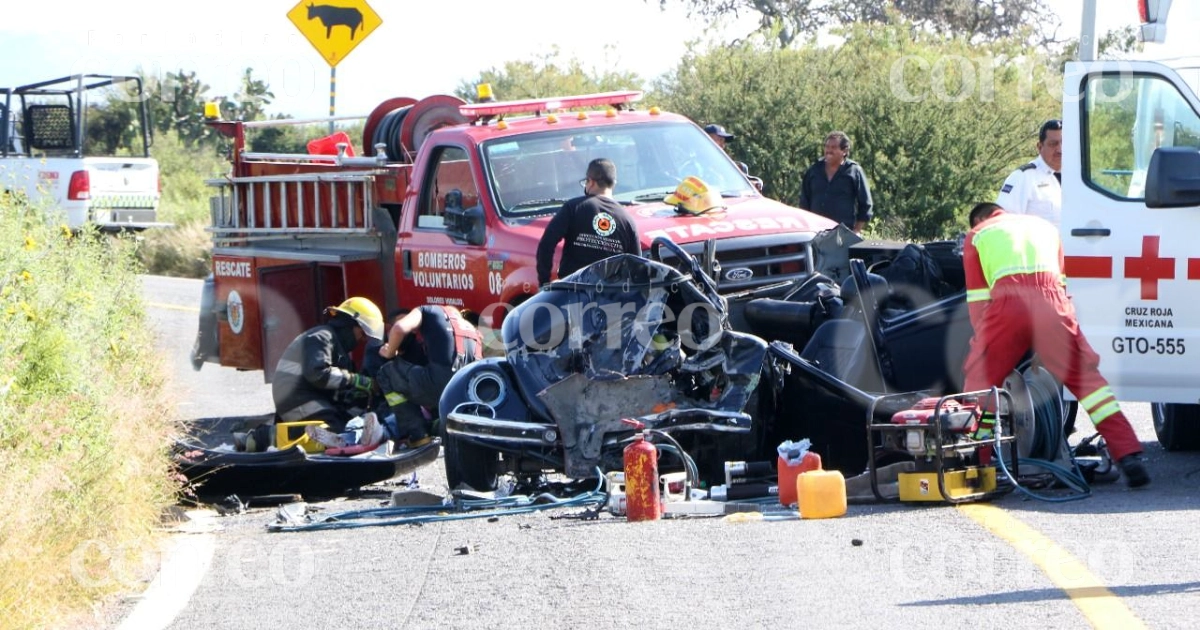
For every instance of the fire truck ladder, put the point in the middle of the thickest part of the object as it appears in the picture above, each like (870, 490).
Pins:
(293, 206)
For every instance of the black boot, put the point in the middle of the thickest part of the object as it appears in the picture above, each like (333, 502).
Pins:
(411, 424)
(1135, 472)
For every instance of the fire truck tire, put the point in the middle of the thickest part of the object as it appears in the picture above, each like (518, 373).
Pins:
(1177, 426)
(469, 464)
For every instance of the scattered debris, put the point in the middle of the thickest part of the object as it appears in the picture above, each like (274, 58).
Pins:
(416, 498)
(293, 514)
(231, 505)
(586, 515)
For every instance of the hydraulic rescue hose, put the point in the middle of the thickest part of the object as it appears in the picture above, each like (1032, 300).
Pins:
(689, 464)
(474, 508)
(1048, 435)
(482, 508)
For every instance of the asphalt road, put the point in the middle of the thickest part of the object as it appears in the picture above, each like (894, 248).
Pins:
(1118, 559)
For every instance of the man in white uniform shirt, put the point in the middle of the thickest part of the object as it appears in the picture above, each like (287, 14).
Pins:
(1036, 187)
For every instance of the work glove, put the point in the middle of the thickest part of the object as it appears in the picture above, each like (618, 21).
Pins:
(362, 385)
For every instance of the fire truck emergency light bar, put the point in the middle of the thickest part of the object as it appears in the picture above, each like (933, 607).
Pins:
(475, 111)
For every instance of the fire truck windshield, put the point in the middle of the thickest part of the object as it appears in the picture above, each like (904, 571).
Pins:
(534, 173)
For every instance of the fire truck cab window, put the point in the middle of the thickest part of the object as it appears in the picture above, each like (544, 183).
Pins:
(534, 174)
(1127, 118)
(449, 183)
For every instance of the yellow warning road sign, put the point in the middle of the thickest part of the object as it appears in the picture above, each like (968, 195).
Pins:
(334, 27)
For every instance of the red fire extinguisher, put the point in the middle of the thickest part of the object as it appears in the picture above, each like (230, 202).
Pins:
(641, 478)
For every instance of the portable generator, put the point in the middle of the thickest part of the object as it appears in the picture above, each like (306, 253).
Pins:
(952, 440)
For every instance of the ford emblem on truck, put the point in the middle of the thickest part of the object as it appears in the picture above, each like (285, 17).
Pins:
(739, 273)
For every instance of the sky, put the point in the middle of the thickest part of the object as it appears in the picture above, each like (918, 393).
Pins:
(422, 47)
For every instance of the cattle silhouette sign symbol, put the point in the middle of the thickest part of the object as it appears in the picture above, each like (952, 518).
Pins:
(334, 27)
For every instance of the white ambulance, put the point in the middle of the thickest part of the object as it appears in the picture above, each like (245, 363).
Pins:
(1131, 222)
(45, 155)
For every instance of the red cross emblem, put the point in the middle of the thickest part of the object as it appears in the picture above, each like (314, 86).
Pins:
(1088, 266)
(1150, 268)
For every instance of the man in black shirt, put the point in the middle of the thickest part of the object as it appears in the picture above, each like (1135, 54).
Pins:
(594, 226)
(836, 187)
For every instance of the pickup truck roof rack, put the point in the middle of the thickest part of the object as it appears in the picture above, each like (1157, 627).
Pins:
(74, 83)
(58, 127)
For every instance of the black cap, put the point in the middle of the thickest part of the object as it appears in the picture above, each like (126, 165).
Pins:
(718, 130)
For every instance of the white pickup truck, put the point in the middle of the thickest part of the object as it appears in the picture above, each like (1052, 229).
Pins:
(45, 155)
(1130, 220)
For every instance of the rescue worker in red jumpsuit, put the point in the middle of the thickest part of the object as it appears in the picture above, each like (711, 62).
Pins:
(442, 341)
(1017, 301)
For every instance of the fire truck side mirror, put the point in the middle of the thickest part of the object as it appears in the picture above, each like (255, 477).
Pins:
(476, 232)
(466, 224)
(1171, 181)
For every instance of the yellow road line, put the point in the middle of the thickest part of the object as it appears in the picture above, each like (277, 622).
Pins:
(173, 307)
(1099, 605)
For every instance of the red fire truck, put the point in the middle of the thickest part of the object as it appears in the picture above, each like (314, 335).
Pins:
(450, 204)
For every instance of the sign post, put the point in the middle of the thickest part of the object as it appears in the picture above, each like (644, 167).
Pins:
(334, 28)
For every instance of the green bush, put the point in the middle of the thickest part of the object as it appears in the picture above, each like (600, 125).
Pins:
(83, 418)
(937, 123)
(183, 171)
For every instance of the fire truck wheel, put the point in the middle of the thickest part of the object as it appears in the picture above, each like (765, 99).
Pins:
(470, 464)
(1177, 426)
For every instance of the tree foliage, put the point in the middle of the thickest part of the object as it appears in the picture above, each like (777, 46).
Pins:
(250, 101)
(548, 76)
(984, 20)
(110, 130)
(177, 102)
(936, 122)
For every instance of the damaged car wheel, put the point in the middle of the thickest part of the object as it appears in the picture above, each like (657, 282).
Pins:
(469, 464)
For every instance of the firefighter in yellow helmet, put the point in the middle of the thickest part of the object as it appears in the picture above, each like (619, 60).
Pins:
(316, 378)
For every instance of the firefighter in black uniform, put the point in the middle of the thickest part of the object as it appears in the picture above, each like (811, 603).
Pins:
(444, 342)
(315, 378)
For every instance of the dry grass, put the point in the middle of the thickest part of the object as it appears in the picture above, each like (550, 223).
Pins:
(79, 523)
(183, 251)
(84, 422)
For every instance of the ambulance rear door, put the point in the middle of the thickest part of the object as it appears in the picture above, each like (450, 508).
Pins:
(1133, 270)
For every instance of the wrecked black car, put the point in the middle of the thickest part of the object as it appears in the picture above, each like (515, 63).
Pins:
(636, 338)
(626, 337)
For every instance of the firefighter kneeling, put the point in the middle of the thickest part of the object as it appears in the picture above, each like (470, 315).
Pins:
(315, 378)
(1017, 301)
(425, 347)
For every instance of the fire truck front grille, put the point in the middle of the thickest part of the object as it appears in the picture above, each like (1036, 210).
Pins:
(754, 261)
